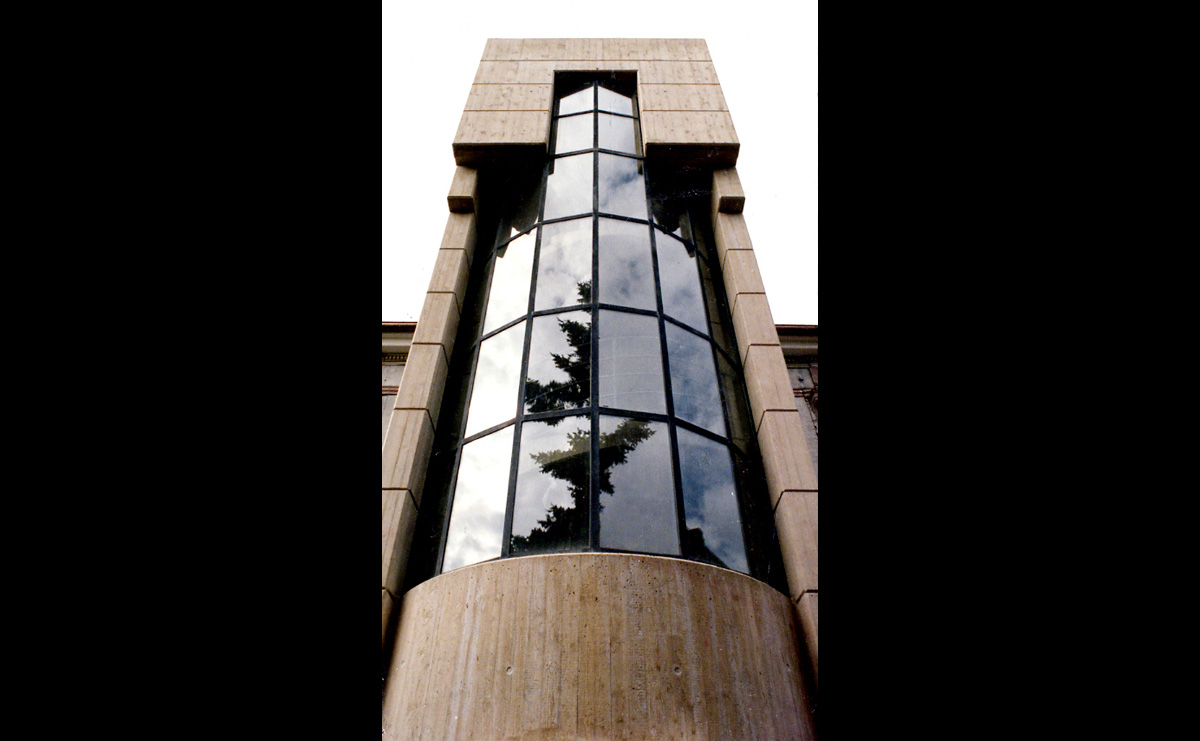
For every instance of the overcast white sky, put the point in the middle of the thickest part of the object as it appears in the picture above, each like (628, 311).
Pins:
(765, 54)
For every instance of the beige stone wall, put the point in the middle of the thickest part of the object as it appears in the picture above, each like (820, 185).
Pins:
(416, 415)
(791, 478)
(683, 112)
(597, 646)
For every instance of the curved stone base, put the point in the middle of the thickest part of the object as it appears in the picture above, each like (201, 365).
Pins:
(595, 645)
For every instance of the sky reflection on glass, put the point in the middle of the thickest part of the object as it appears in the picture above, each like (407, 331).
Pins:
(622, 187)
(615, 102)
(630, 362)
(577, 102)
(494, 397)
(569, 189)
(560, 367)
(509, 296)
(710, 502)
(573, 133)
(616, 133)
(637, 489)
(694, 380)
(551, 509)
(681, 294)
(626, 266)
(480, 496)
(565, 265)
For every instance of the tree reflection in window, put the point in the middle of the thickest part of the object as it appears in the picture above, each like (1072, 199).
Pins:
(620, 438)
(566, 527)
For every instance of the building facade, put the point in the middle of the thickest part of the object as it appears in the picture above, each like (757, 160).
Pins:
(599, 465)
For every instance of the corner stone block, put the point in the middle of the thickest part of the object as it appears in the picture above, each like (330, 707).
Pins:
(424, 381)
(450, 272)
(463, 190)
(752, 322)
(728, 197)
(785, 453)
(742, 274)
(796, 523)
(731, 234)
(767, 382)
(806, 613)
(438, 322)
(406, 451)
(460, 234)
(399, 521)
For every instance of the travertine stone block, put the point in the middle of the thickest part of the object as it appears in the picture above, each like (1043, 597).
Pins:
(678, 73)
(806, 612)
(785, 454)
(694, 127)
(460, 235)
(752, 322)
(597, 646)
(796, 523)
(596, 49)
(399, 520)
(728, 197)
(502, 49)
(499, 97)
(741, 273)
(731, 234)
(438, 322)
(450, 272)
(464, 189)
(767, 382)
(423, 382)
(503, 127)
(406, 451)
(681, 98)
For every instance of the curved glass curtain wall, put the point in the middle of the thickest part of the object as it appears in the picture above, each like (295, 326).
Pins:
(596, 417)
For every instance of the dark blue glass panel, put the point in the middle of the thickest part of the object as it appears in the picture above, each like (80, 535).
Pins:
(714, 527)
(637, 488)
(694, 380)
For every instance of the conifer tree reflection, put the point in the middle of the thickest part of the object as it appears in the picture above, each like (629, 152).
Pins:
(555, 396)
(567, 527)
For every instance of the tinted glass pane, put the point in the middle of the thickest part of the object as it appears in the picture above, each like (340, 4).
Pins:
(576, 102)
(551, 510)
(569, 189)
(735, 396)
(637, 489)
(694, 380)
(560, 363)
(615, 102)
(616, 133)
(622, 188)
(681, 295)
(565, 265)
(509, 295)
(714, 527)
(574, 133)
(494, 396)
(626, 268)
(480, 496)
(630, 362)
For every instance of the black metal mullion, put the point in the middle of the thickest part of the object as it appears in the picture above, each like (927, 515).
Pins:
(676, 473)
(594, 463)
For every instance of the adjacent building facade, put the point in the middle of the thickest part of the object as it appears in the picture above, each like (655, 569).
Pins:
(599, 452)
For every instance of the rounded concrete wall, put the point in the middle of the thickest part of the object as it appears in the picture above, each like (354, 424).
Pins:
(595, 645)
